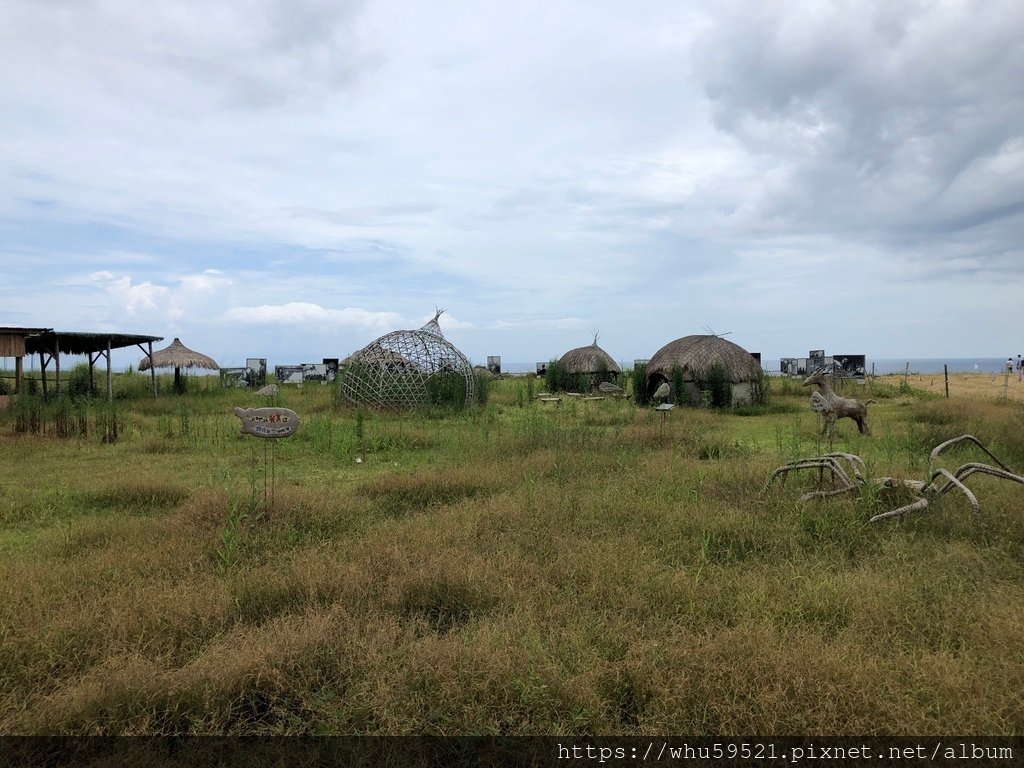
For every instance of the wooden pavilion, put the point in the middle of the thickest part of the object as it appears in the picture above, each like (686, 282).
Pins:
(50, 345)
(12, 344)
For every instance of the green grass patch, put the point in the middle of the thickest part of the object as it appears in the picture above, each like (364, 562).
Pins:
(515, 567)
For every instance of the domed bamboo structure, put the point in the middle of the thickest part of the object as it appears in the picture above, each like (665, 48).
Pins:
(409, 369)
(696, 357)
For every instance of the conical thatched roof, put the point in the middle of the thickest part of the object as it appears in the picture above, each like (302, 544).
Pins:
(697, 354)
(177, 355)
(590, 359)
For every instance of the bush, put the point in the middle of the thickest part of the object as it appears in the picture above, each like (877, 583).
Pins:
(78, 383)
(638, 379)
(558, 379)
(678, 385)
(483, 388)
(447, 390)
(719, 384)
(760, 387)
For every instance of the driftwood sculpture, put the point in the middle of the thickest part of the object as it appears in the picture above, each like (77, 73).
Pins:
(833, 407)
(940, 480)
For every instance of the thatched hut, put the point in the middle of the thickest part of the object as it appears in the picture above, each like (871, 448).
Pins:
(590, 361)
(483, 370)
(696, 360)
(178, 356)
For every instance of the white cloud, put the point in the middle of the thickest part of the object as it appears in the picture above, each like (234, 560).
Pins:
(303, 313)
(537, 167)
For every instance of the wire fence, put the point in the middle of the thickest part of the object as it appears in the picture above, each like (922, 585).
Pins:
(989, 386)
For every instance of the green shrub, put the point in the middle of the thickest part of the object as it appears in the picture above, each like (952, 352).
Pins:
(678, 385)
(482, 391)
(78, 383)
(638, 380)
(558, 379)
(760, 387)
(718, 382)
(446, 390)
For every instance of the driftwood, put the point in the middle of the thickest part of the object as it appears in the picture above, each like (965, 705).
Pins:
(940, 481)
(833, 407)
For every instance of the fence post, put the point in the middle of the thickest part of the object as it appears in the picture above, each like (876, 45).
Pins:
(945, 371)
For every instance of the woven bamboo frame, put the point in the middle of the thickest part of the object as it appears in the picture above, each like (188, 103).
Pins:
(408, 369)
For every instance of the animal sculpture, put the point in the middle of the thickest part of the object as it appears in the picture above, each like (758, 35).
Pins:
(939, 482)
(833, 407)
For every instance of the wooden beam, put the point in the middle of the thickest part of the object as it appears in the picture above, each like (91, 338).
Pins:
(110, 380)
(42, 373)
(56, 363)
(17, 374)
(152, 368)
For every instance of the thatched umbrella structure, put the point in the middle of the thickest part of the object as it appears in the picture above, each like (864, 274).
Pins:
(590, 361)
(695, 357)
(178, 356)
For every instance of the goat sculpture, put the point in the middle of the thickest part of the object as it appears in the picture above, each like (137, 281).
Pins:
(833, 407)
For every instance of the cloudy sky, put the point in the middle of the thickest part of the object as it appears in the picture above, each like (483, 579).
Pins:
(291, 178)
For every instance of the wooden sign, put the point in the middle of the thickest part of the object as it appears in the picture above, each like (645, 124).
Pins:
(268, 422)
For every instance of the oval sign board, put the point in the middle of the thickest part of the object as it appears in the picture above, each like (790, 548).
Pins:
(268, 422)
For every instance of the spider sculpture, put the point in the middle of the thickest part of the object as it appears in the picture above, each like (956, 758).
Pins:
(940, 480)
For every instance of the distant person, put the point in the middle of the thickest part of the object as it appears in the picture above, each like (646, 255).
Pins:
(1009, 364)
(1020, 369)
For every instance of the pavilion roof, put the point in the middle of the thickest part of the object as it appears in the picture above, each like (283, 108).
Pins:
(82, 343)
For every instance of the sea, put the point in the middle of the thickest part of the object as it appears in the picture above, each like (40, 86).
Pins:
(990, 365)
(880, 366)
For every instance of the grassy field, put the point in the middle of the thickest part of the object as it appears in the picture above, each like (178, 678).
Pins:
(975, 386)
(522, 568)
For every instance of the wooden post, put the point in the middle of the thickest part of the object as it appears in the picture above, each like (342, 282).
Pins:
(17, 375)
(1006, 383)
(152, 368)
(92, 369)
(56, 364)
(945, 371)
(42, 373)
(906, 372)
(110, 380)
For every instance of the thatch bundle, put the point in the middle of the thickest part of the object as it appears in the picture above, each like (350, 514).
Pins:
(697, 355)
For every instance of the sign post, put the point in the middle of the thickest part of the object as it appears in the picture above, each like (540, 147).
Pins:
(269, 424)
(664, 408)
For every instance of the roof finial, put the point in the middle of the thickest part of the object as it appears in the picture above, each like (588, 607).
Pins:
(432, 326)
(597, 335)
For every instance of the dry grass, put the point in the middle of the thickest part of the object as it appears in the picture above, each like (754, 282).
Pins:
(581, 570)
(974, 386)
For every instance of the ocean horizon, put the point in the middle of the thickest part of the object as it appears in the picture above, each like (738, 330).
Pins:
(880, 366)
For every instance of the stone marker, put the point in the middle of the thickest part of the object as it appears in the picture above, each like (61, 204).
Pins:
(268, 391)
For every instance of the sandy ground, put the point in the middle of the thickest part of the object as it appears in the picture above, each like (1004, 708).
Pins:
(974, 385)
